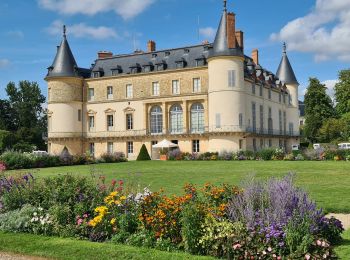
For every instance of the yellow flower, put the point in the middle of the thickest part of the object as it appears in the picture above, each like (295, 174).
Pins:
(102, 210)
(113, 221)
(117, 202)
(113, 194)
(123, 198)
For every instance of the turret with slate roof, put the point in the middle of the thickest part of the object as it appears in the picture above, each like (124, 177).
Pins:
(285, 71)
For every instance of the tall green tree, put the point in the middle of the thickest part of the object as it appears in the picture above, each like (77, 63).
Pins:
(342, 93)
(318, 108)
(6, 116)
(27, 112)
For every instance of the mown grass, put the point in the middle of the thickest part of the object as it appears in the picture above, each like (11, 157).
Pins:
(343, 251)
(71, 249)
(327, 182)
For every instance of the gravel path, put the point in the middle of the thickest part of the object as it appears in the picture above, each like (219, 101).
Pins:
(344, 218)
(9, 256)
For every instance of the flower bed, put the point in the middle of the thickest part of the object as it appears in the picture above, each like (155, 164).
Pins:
(261, 220)
(17, 160)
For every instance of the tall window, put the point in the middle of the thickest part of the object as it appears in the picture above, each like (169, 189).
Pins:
(253, 88)
(261, 118)
(129, 122)
(280, 120)
(291, 128)
(231, 78)
(270, 122)
(129, 91)
(261, 89)
(79, 115)
(261, 143)
(110, 92)
(270, 143)
(197, 85)
(284, 98)
(109, 147)
(176, 87)
(130, 147)
(49, 123)
(240, 120)
(197, 118)
(92, 149)
(254, 145)
(280, 97)
(176, 119)
(155, 89)
(284, 122)
(195, 146)
(240, 144)
(218, 120)
(254, 116)
(91, 123)
(110, 122)
(270, 94)
(156, 120)
(91, 94)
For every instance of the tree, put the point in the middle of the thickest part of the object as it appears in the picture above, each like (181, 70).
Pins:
(24, 113)
(143, 155)
(331, 131)
(342, 93)
(318, 108)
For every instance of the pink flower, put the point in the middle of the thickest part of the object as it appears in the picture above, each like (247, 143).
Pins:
(237, 246)
(269, 249)
(85, 216)
(318, 242)
(114, 182)
(307, 256)
(279, 258)
(2, 167)
(80, 221)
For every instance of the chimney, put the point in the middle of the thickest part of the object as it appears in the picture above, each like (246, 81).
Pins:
(151, 46)
(104, 54)
(239, 38)
(231, 28)
(255, 56)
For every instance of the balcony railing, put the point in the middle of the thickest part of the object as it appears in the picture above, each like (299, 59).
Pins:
(202, 130)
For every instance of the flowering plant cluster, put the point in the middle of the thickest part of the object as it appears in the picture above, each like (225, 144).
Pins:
(2, 167)
(261, 220)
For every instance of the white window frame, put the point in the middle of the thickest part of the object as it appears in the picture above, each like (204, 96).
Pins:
(110, 147)
(91, 123)
(91, 94)
(130, 147)
(109, 92)
(129, 91)
(197, 85)
(195, 146)
(129, 121)
(155, 88)
(231, 78)
(110, 122)
(175, 87)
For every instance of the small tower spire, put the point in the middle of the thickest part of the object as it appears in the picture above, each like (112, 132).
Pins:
(285, 71)
(64, 31)
(284, 48)
(225, 5)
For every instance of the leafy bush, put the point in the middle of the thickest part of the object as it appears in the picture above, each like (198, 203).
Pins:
(17, 220)
(266, 154)
(143, 155)
(113, 158)
(16, 160)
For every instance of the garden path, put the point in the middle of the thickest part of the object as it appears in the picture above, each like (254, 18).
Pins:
(10, 256)
(344, 218)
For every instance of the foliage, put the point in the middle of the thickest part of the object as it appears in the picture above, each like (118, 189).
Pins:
(17, 220)
(342, 93)
(116, 157)
(318, 108)
(267, 154)
(7, 140)
(143, 155)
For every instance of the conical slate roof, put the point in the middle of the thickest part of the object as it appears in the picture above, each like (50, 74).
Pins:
(220, 45)
(285, 71)
(64, 64)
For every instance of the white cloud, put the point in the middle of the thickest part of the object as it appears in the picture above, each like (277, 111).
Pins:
(324, 32)
(16, 34)
(125, 8)
(82, 30)
(208, 32)
(4, 63)
(330, 84)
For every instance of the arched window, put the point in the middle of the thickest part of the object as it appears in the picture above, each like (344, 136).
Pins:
(176, 119)
(156, 120)
(197, 118)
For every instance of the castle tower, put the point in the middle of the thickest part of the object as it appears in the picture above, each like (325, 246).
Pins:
(226, 85)
(286, 74)
(65, 102)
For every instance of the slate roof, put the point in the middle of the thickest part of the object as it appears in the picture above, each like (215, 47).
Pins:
(192, 56)
(285, 71)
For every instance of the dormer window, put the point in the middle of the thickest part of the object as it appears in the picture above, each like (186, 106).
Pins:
(167, 53)
(161, 66)
(201, 61)
(96, 74)
(186, 50)
(181, 63)
(116, 71)
(135, 69)
(154, 55)
(148, 67)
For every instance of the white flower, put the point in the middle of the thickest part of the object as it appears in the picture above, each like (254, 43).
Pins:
(40, 209)
(34, 214)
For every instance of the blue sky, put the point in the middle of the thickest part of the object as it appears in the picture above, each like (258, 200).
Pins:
(317, 32)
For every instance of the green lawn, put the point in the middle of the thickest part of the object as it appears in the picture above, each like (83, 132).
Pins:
(69, 249)
(64, 248)
(327, 182)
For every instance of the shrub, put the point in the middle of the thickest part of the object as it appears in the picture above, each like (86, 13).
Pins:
(143, 155)
(175, 154)
(266, 154)
(23, 147)
(7, 139)
(17, 220)
(16, 160)
(113, 158)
